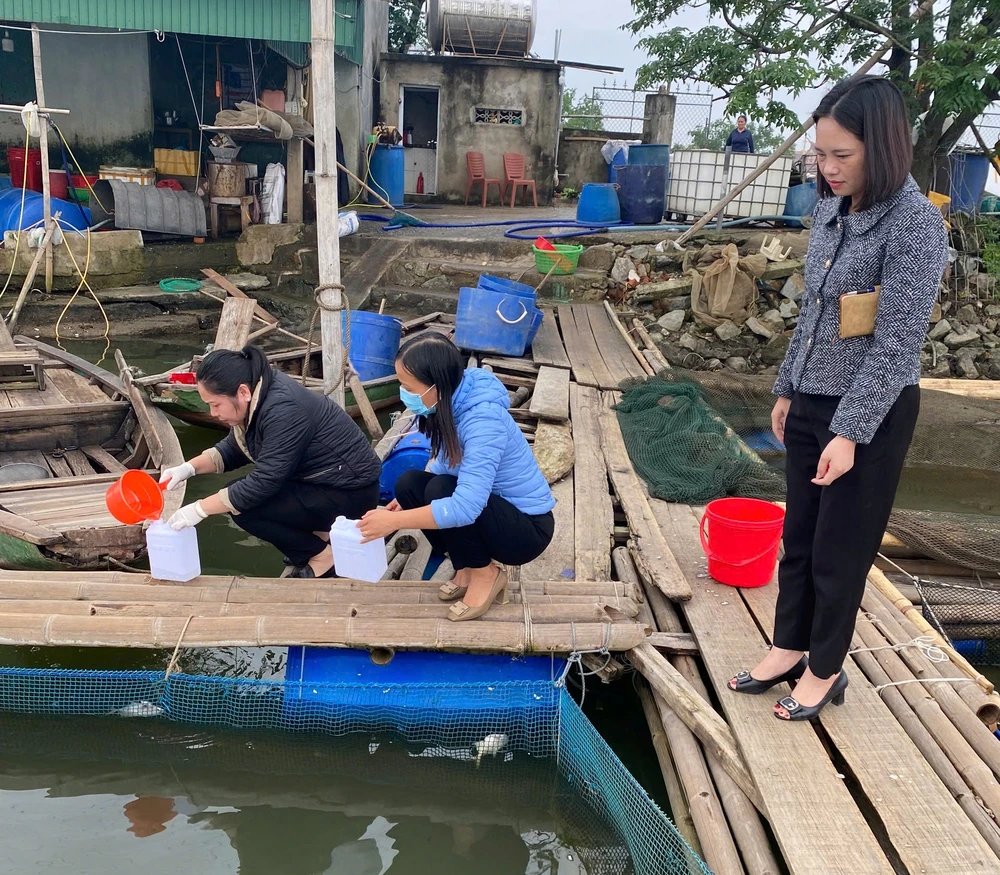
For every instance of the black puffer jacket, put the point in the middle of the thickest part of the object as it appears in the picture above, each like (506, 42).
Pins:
(294, 436)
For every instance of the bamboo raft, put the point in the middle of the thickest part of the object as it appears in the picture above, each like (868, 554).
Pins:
(78, 431)
(901, 779)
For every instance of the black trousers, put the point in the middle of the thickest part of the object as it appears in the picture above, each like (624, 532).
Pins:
(291, 518)
(502, 533)
(832, 533)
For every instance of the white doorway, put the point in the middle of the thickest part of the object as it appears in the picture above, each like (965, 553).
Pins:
(419, 121)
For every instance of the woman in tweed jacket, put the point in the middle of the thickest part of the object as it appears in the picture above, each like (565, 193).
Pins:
(848, 393)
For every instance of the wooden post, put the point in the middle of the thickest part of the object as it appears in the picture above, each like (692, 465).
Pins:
(325, 127)
(43, 145)
(296, 176)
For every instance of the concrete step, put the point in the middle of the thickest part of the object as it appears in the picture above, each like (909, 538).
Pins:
(420, 302)
(437, 274)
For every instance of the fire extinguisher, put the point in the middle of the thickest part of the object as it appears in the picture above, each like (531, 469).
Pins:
(420, 184)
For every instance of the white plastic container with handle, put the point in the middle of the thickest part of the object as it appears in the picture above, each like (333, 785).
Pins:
(173, 555)
(353, 559)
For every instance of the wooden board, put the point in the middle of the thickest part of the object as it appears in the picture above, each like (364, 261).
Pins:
(550, 398)
(594, 514)
(76, 388)
(547, 347)
(647, 545)
(364, 274)
(149, 422)
(558, 562)
(237, 292)
(588, 367)
(62, 425)
(103, 458)
(816, 822)
(515, 366)
(928, 829)
(235, 324)
(27, 529)
(618, 358)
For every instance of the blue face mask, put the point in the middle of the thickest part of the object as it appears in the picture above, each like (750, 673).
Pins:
(415, 403)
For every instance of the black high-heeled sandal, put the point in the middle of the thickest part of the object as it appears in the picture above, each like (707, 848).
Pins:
(796, 711)
(744, 682)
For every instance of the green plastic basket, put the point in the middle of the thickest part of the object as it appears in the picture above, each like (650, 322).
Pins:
(566, 258)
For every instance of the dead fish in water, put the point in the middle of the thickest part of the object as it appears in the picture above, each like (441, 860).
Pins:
(140, 709)
(490, 746)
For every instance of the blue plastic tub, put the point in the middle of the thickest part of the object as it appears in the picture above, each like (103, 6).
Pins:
(411, 453)
(499, 284)
(374, 343)
(642, 191)
(386, 173)
(969, 172)
(10, 211)
(800, 202)
(489, 321)
(599, 205)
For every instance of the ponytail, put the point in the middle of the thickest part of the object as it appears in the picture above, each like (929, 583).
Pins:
(223, 371)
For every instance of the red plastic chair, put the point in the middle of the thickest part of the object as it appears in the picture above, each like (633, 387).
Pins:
(477, 173)
(513, 172)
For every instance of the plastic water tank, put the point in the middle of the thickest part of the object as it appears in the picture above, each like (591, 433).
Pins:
(352, 558)
(642, 192)
(386, 174)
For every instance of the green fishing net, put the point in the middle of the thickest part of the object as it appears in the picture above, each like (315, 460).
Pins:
(683, 448)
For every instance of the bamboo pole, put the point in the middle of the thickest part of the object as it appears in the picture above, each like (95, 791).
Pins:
(882, 583)
(926, 744)
(329, 296)
(679, 808)
(43, 145)
(965, 715)
(46, 247)
(965, 759)
(613, 316)
(744, 819)
(651, 347)
(40, 630)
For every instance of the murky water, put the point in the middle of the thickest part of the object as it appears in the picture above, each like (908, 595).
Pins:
(113, 796)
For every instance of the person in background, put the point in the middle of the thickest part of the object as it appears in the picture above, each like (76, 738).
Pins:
(848, 390)
(740, 138)
(311, 461)
(483, 498)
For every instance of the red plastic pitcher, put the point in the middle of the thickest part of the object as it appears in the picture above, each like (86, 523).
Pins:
(135, 498)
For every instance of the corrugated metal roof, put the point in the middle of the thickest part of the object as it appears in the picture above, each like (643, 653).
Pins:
(286, 20)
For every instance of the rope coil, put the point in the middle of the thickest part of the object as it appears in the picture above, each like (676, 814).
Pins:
(321, 305)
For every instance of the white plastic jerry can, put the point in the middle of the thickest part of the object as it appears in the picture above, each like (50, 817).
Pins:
(353, 559)
(173, 555)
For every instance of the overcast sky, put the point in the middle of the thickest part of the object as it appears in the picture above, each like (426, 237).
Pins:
(592, 34)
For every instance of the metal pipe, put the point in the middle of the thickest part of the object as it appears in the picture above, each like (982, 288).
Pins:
(12, 107)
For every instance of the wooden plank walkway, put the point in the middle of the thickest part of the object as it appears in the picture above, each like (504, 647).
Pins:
(547, 347)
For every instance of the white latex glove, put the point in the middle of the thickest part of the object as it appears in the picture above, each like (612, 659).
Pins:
(187, 516)
(177, 475)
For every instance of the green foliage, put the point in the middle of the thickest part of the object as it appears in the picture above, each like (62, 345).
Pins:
(765, 138)
(407, 25)
(569, 194)
(947, 62)
(589, 110)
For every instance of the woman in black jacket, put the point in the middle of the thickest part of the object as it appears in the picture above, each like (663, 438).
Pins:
(311, 462)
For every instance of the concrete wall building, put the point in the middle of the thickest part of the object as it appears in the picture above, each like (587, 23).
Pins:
(459, 104)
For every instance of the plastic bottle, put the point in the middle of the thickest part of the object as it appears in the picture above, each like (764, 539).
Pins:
(353, 559)
(173, 555)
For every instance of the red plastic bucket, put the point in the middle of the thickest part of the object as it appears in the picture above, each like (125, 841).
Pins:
(742, 540)
(58, 184)
(16, 160)
(135, 498)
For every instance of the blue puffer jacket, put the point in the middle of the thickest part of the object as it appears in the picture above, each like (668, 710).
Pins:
(495, 456)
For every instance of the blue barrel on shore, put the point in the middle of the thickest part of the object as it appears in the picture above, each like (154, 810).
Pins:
(386, 174)
(599, 205)
(801, 201)
(969, 173)
(617, 162)
(642, 192)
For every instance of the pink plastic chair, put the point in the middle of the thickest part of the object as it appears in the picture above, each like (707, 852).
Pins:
(513, 172)
(477, 173)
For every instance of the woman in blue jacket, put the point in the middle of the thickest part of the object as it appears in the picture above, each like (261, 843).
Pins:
(483, 498)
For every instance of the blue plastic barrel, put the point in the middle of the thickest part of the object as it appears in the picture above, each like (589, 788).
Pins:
(599, 205)
(385, 172)
(617, 161)
(800, 202)
(374, 343)
(489, 321)
(642, 190)
(973, 649)
(412, 453)
(969, 172)
(34, 214)
(649, 153)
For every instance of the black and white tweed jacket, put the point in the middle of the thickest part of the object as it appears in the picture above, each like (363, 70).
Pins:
(900, 245)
